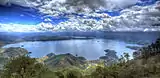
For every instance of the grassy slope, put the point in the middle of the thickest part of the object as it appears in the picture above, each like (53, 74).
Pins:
(64, 60)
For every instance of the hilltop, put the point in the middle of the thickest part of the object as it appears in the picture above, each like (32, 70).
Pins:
(8, 53)
(64, 60)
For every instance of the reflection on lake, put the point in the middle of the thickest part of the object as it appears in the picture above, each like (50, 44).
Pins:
(89, 48)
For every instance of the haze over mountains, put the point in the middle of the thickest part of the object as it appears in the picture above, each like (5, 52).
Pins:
(11, 37)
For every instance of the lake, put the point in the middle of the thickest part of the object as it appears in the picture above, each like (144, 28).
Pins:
(89, 48)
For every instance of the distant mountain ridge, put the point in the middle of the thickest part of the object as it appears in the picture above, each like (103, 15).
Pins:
(96, 34)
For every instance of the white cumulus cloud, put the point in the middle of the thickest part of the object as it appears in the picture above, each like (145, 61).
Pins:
(135, 18)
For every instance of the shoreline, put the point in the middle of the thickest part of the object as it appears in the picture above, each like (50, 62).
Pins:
(3, 43)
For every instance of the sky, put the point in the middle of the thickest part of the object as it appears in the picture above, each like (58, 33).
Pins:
(79, 15)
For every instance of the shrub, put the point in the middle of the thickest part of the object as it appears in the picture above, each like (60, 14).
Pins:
(22, 67)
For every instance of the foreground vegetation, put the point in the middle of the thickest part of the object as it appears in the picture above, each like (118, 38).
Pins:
(26, 67)
(146, 64)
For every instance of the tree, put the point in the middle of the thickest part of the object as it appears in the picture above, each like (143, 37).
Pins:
(126, 55)
(121, 59)
(22, 67)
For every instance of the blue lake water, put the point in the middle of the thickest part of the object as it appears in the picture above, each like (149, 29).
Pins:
(89, 48)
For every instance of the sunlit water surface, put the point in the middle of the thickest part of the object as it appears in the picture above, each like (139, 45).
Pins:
(89, 48)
